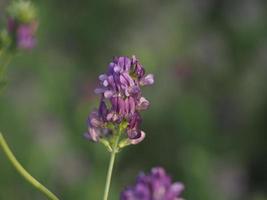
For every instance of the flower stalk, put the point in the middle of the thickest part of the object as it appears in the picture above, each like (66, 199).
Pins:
(18, 167)
(116, 123)
(115, 150)
(109, 175)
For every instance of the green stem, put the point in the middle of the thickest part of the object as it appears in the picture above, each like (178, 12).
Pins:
(22, 171)
(109, 175)
(110, 168)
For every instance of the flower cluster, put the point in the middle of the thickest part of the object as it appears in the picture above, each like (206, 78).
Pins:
(155, 186)
(21, 26)
(121, 101)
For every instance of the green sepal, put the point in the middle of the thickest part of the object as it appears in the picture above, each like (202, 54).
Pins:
(124, 142)
(106, 144)
(110, 126)
(123, 126)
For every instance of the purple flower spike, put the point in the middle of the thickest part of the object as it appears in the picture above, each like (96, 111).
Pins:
(157, 185)
(121, 100)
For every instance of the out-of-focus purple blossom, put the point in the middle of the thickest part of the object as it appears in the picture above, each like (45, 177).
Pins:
(26, 36)
(121, 99)
(157, 185)
(22, 34)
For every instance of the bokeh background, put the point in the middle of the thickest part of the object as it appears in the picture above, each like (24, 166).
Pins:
(207, 120)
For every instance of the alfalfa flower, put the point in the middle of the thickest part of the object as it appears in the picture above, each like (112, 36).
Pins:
(116, 123)
(157, 185)
(121, 102)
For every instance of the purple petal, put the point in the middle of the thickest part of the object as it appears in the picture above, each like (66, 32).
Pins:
(112, 116)
(128, 194)
(87, 136)
(103, 109)
(126, 106)
(111, 81)
(177, 188)
(143, 104)
(131, 105)
(121, 105)
(134, 121)
(108, 94)
(158, 172)
(94, 120)
(103, 77)
(117, 68)
(124, 62)
(93, 134)
(111, 68)
(134, 59)
(147, 80)
(134, 90)
(126, 80)
(140, 71)
(138, 140)
(99, 90)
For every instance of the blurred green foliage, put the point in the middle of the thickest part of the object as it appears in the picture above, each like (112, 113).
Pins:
(206, 124)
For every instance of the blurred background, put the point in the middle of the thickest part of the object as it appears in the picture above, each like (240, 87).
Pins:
(207, 120)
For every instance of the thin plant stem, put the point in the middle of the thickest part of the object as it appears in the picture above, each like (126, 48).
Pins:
(109, 175)
(111, 165)
(22, 171)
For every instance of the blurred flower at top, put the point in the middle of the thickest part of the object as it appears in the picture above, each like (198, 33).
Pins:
(157, 185)
(21, 26)
(121, 101)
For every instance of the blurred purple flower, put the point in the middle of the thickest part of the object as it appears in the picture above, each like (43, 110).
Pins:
(121, 99)
(157, 185)
(23, 34)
